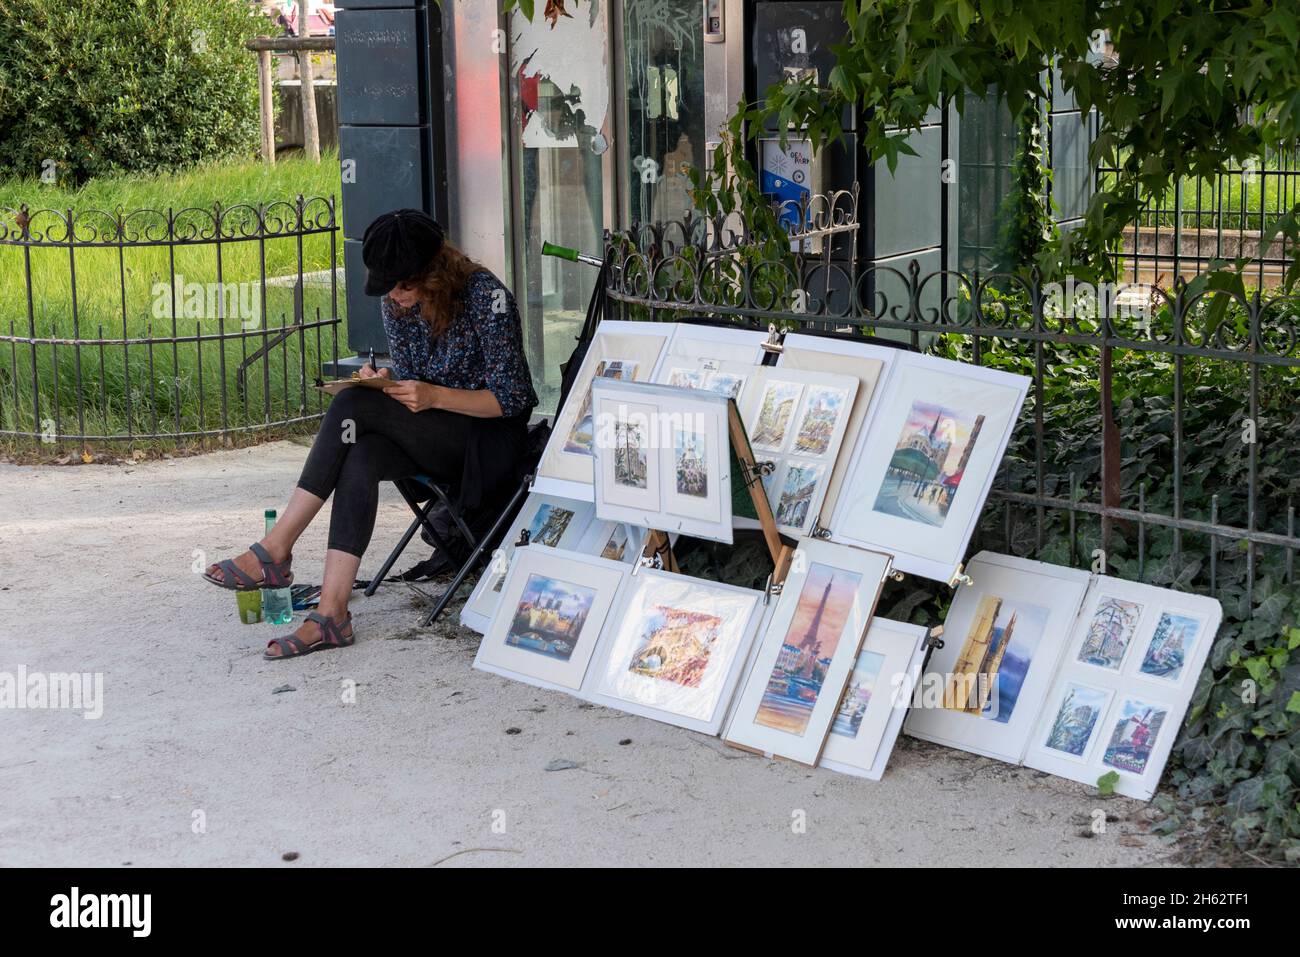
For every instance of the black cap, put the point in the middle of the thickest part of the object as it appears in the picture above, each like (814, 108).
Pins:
(397, 246)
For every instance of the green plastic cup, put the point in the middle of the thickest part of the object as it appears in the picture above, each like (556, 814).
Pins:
(250, 606)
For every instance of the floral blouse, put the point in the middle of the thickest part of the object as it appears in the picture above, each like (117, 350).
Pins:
(483, 348)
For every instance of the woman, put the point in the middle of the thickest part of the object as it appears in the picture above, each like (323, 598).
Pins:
(457, 411)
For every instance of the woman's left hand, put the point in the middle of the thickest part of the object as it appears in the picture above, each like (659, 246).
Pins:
(415, 394)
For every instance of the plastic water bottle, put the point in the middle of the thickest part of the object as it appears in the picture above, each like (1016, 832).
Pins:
(277, 603)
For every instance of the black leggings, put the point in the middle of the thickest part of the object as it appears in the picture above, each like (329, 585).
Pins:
(366, 438)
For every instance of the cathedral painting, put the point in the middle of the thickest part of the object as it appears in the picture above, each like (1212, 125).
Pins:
(928, 463)
(795, 684)
(774, 414)
(581, 434)
(995, 658)
(1075, 720)
(549, 524)
(1110, 632)
(550, 616)
(1167, 653)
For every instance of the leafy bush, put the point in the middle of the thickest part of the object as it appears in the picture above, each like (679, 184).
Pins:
(89, 87)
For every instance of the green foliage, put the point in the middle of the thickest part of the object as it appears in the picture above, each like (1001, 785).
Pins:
(1025, 223)
(1188, 73)
(1106, 783)
(89, 87)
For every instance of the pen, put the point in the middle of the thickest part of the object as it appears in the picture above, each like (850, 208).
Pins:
(372, 359)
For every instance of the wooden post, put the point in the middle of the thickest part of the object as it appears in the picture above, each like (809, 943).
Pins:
(266, 99)
(310, 130)
(781, 552)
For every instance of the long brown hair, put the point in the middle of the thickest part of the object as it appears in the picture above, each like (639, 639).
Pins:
(441, 288)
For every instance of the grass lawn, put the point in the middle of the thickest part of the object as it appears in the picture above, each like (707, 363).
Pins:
(136, 292)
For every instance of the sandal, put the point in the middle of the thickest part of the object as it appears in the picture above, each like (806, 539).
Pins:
(235, 578)
(331, 636)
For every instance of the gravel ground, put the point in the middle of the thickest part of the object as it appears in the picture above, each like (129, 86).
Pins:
(207, 755)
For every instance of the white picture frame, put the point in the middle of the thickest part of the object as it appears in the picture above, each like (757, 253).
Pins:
(796, 419)
(663, 458)
(931, 412)
(1039, 602)
(890, 658)
(1132, 645)
(868, 363)
(792, 691)
(565, 469)
(481, 605)
(690, 682)
(729, 344)
(553, 607)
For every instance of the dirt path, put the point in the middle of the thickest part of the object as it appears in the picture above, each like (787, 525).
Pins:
(203, 757)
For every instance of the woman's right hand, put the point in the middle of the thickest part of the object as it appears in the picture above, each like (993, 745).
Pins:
(369, 372)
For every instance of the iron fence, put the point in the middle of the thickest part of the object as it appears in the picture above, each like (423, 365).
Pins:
(1159, 434)
(1198, 220)
(176, 324)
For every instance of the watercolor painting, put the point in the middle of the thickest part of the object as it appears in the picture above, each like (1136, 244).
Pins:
(686, 378)
(821, 412)
(774, 414)
(616, 547)
(631, 468)
(797, 493)
(1170, 645)
(857, 695)
(583, 431)
(691, 463)
(726, 383)
(675, 644)
(928, 463)
(549, 618)
(1079, 713)
(995, 658)
(1109, 634)
(1134, 736)
(795, 683)
(549, 525)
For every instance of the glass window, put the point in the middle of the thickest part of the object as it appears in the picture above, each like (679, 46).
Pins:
(559, 100)
(663, 43)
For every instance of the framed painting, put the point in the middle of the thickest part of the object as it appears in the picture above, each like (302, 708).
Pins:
(616, 541)
(926, 461)
(663, 458)
(867, 363)
(984, 689)
(620, 351)
(554, 604)
(1124, 684)
(792, 693)
(875, 700)
(796, 420)
(675, 649)
(551, 522)
(723, 378)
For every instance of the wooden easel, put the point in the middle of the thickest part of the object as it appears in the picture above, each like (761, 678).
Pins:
(658, 544)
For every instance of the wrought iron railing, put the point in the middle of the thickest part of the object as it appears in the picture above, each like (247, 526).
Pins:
(1159, 433)
(189, 324)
